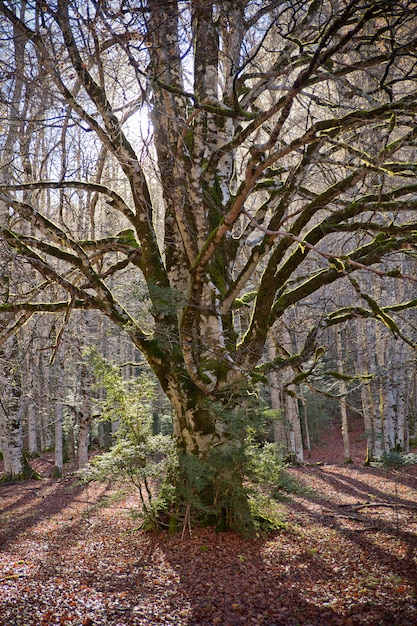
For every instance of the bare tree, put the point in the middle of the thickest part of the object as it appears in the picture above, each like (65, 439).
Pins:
(280, 135)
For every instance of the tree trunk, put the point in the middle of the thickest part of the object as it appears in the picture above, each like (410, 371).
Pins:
(209, 437)
(4, 447)
(385, 407)
(280, 435)
(33, 448)
(57, 374)
(290, 402)
(12, 446)
(16, 465)
(84, 418)
(11, 412)
(292, 413)
(59, 447)
(372, 422)
(306, 427)
(83, 439)
(402, 378)
(342, 394)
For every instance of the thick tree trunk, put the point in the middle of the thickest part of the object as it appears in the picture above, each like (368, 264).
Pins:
(11, 413)
(12, 446)
(16, 466)
(208, 433)
(4, 447)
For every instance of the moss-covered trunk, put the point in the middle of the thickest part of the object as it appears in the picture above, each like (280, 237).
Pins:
(209, 488)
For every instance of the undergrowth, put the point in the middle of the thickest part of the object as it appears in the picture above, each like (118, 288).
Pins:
(179, 491)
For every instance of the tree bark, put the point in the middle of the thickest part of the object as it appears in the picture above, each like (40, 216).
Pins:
(32, 427)
(11, 412)
(59, 441)
(342, 401)
(370, 406)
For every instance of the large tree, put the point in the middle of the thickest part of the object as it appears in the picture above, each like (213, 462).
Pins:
(280, 158)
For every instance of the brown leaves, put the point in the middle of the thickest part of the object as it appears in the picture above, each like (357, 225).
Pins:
(68, 561)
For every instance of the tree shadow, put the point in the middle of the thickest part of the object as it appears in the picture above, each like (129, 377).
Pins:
(361, 489)
(228, 581)
(386, 537)
(37, 503)
(360, 534)
(133, 578)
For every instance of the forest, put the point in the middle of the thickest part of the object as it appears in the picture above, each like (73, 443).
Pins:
(208, 244)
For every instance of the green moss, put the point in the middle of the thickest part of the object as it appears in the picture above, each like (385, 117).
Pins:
(28, 473)
(189, 139)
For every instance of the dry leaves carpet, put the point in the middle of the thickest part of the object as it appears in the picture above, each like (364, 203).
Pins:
(70, 555)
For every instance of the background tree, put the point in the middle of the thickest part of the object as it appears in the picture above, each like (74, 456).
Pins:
(281, 142)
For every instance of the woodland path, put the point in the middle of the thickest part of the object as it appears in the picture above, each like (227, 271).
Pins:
(347, 555)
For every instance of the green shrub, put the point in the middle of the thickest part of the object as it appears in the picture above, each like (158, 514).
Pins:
(139, 456)
(395, 459)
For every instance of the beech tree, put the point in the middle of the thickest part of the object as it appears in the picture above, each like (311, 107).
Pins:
(280, 159)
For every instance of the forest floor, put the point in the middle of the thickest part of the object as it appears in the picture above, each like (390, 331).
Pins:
(70, 554)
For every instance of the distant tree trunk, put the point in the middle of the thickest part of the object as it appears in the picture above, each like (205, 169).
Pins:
(284, 399)
(402, 378)
(57, 377)
(280, 435)
(48, 409)
(293, 418)
(385, 401)
(33, 448)
(59, 447)
(372, 422)
(83, 439)
(84, 418)
(342, 394)
(307, 442)
(42, 394)
(412, 405)
(292, 409)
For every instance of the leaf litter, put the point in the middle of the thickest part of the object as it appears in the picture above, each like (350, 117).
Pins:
(70, 554)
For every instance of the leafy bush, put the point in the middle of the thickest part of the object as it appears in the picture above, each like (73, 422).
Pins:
(395, 459)
(264, 464)
(139, 456)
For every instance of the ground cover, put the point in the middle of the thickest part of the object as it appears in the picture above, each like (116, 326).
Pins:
(347, 555)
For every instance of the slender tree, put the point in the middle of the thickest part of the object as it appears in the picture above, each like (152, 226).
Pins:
(281, 138)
